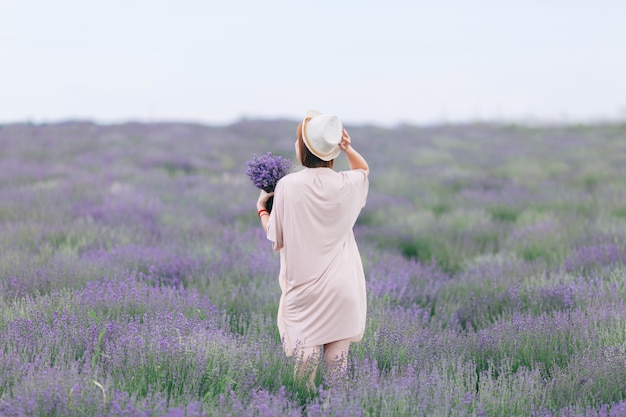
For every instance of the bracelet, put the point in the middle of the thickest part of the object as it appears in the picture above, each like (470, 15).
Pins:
(260, 213)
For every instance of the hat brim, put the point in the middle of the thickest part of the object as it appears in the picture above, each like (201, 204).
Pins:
(332, 156)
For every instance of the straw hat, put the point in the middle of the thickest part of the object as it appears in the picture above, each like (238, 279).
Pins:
(321, 134)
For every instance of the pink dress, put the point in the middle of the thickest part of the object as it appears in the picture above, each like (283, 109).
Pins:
(321, 273)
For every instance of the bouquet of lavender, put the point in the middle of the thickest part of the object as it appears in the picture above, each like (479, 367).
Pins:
(266, 170)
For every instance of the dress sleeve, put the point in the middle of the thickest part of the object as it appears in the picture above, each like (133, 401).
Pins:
(275, 225)
(359, 181)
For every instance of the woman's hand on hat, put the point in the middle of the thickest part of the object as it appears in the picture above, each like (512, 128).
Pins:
(345, 141)
(261, 203)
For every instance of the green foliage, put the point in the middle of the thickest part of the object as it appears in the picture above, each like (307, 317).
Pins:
(440, 208)
(427, 249)
(504, 213)
(620, 212)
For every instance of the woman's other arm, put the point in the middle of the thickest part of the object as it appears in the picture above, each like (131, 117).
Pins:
(261, 205)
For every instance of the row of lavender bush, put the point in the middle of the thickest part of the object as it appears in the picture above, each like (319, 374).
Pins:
(135, 279)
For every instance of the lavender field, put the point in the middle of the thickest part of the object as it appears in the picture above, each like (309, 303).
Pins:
(135, 279)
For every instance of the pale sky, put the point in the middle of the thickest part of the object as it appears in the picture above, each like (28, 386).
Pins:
(382, 62)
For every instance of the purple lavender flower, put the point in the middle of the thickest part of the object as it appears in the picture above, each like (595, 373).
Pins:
(266, 170)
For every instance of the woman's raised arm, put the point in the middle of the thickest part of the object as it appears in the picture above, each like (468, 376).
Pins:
(355, 159)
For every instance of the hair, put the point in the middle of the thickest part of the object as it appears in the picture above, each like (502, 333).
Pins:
(307, 158)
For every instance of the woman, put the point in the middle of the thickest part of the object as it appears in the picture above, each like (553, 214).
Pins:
(323, 301)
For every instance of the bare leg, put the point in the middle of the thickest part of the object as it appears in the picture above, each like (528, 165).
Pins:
(336, 359)
(307, 359)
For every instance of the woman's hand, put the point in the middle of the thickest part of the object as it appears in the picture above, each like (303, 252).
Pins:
(345, 140)
(261, 203)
